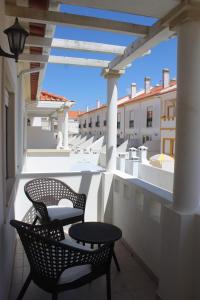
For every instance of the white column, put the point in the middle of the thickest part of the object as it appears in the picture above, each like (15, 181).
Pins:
(112, 96)
(66, 129)
(187, 161)
(52, 124)
(60, 134)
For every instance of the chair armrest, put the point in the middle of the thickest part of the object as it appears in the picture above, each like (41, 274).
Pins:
(100, 256)
(41, 209)
(80, 201)
(52, 230)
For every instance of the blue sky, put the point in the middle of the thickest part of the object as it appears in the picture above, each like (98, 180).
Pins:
(85, 85)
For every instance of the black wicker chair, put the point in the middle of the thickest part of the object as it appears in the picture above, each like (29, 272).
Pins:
(56, 266)
(45, 193)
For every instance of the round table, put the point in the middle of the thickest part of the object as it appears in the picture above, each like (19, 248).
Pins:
(96, 233)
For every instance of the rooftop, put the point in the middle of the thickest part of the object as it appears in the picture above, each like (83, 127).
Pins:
(46, 96)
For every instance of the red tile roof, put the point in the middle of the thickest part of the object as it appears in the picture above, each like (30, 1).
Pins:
(73, 114)
(93, 109)
(157, 90)
(153, 92)
(46, 96)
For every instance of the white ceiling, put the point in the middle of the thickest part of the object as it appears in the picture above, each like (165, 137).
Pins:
(151, 8)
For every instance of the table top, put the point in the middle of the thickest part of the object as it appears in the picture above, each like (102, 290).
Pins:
(95, 232)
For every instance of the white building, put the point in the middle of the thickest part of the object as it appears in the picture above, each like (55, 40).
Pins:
(138, 116)
(50, 122)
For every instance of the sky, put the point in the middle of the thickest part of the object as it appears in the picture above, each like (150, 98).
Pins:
(85, 85)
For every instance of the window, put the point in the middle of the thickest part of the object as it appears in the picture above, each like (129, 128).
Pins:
(149, 116)
(104, 122)
(90, 124)
(168, 146)
(131, 119)
(171, 111)
(118, 120)
(146, 138)
(97, 122)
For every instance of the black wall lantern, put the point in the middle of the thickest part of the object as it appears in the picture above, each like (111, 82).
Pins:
(16, 37)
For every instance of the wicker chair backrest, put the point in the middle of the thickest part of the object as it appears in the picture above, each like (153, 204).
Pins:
(48, 257)
(49, 191)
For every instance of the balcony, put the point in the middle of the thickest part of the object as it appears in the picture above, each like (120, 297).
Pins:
(131, 282)
(168, 122)
(97, 124)
(90, 125)
(118, 125)
(84, 125)
(79, 126)
(105, 123)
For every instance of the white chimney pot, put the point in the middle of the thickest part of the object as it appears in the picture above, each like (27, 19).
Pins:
(133, 90)
(166, 78)
(147, 85)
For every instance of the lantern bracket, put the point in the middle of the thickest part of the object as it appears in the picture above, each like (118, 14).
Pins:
(5, 54)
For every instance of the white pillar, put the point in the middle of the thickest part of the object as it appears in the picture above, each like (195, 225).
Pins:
(52, 124)
(66, 129)
(60, 134)
(187, 162)
(112, 96)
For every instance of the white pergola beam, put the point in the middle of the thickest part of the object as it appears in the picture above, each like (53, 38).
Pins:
(74, 45)
(139, 48)
(85, 62)
(160, 31)
(59, 18)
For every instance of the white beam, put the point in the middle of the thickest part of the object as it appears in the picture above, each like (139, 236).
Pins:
(85, 62)
(74, 45)
(139, 48)
(160, 31)
(59, 18)
(151, 8)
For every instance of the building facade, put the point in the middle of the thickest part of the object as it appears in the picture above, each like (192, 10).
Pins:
(145, 117)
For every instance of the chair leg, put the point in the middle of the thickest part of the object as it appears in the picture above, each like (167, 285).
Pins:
(108, 283)
(116, 261)
(54, 296)
(24, 288)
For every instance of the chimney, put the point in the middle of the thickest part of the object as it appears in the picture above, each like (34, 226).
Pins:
(147, 85)
(98, 104)
(166, 78)
(133, 90)
(87, 108)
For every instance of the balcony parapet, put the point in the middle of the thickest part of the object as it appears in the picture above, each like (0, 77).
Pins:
(168, 122)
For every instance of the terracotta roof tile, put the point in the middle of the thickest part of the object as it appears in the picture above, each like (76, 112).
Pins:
(74, 114)
(46, 96)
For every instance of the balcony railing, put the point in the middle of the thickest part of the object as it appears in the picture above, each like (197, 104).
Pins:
(168, 122)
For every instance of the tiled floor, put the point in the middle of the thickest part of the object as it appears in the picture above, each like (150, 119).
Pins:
(132, 283)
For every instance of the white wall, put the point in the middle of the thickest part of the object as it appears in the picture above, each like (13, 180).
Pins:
(37, 138)
(156, 176)
(8, 81)
(137, 211)
(88, 183)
